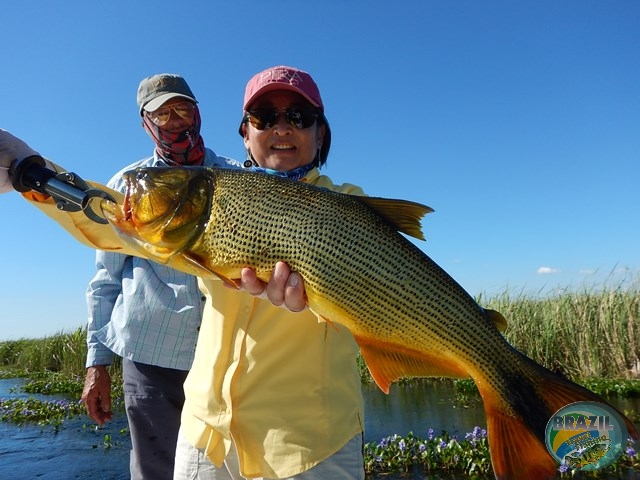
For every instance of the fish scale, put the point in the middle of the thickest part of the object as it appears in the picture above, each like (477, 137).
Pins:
(409, 317)
(346, 260)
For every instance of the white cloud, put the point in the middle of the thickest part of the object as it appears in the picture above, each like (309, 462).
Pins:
(547, 270)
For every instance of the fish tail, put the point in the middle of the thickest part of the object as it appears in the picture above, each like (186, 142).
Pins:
(558, 392)
(516, 452)
(516, 421)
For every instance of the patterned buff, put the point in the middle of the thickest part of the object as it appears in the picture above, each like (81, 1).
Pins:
(184, 148)
(295, 174)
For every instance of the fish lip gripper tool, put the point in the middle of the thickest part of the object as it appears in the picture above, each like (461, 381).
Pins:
(70, 192)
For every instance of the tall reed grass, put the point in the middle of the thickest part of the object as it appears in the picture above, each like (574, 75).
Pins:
(64, 352)
(583, 335)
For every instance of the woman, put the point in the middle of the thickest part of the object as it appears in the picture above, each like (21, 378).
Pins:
(274, 393)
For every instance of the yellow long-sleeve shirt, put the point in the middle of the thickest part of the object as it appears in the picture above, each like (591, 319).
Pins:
(284, 386)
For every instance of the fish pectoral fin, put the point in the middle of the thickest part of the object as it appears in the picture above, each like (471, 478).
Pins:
(496, 318)
(404, 215)
(192, 264)
(387, 363)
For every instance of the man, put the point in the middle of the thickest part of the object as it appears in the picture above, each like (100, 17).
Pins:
(147, 313)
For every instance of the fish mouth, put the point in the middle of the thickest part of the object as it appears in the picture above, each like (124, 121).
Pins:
(119, 214)
(109, 209)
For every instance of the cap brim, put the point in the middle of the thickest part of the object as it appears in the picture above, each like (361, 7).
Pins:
(279, 86)
(161, 99)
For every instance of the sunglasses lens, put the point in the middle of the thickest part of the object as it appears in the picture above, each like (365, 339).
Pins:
(263, 118)
(162, 114)
(301, 117)
(185, 110)
(160, 117)
(297, 117)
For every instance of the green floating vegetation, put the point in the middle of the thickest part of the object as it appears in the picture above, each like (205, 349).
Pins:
(49, 412)
(434, 454)
(42, 412)
(468, 457)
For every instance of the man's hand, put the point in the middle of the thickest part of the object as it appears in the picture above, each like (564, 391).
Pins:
(11, 148)
(97, 394)
(285, 288)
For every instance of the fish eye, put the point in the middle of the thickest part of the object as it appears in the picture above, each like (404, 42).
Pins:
(141, 173)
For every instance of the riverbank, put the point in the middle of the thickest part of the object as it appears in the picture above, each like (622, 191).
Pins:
(591, 337)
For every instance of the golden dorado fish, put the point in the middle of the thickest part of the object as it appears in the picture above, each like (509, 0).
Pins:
(409, 317)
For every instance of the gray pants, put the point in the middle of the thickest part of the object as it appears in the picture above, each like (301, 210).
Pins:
(153, 397)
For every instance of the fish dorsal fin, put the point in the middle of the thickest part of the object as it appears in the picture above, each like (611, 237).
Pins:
(404, 215)
(496, 318)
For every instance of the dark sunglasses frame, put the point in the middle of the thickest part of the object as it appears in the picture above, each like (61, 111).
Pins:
(298, 117)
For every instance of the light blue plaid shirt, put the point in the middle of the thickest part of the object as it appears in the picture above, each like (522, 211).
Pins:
(142, 310)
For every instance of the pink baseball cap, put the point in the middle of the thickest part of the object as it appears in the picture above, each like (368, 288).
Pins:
(283, 78)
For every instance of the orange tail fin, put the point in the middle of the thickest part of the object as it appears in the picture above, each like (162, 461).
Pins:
(516, 452)
(517, 440)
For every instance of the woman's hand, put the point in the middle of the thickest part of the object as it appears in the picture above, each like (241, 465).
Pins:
(285, 288)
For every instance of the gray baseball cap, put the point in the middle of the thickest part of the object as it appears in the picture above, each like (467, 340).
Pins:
(155, 90)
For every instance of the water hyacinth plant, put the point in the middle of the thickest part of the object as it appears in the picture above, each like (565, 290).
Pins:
(42, 412)
(397, 457)
(442, 453)
(49, 412)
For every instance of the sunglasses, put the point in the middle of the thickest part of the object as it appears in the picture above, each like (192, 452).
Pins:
(296, 116)
(161, 115)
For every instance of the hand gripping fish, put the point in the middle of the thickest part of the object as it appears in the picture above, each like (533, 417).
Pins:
(409, 317)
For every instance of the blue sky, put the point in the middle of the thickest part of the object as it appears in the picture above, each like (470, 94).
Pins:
(517, 121)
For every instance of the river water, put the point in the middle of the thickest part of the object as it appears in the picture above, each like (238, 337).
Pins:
(78, 451)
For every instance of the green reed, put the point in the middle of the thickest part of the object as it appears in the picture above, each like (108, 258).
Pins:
(583, 334)
(63, 352)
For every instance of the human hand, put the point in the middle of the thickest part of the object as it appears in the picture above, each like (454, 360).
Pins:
(96, 394)
(11, 148)
(285, 288)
